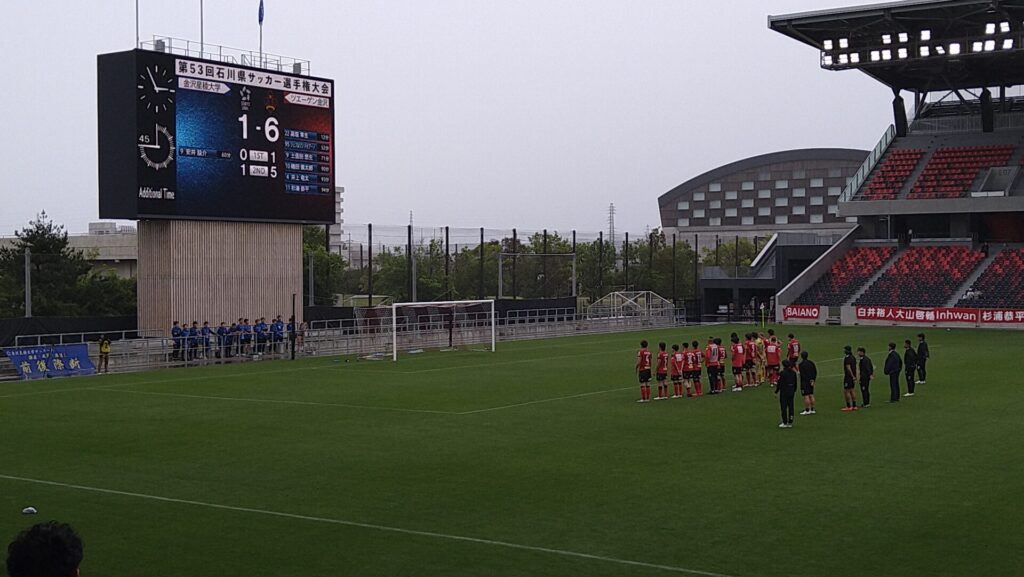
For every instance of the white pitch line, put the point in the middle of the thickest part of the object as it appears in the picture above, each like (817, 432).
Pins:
(328, 520)
(274, 401)
(539, 401)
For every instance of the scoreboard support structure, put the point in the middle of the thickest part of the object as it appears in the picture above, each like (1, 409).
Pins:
(192, 270)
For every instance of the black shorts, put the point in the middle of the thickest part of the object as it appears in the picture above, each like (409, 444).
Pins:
(806, 389)
(737, 370)
(773, 368)
(848, 384)
(645, 376)
(662, 377)
(677, 378)
(749, 364)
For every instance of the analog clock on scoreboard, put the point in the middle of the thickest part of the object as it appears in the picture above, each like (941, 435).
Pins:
(186, 138)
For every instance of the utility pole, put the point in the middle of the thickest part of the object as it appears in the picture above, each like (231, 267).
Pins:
(28, 283)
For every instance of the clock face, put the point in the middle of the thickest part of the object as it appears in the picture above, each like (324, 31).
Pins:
(156, 147)
(156, 88)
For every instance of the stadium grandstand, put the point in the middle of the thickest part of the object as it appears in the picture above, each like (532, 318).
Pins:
(939, 201)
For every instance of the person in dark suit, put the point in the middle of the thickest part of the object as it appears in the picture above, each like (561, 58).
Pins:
(909, 366)
(865, 372)
(922, 357)
(785, 388)
(892, 368)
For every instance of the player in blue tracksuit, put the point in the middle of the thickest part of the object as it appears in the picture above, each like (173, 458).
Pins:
(223, 343)
(193, 341)
(206, 331)
(277, 334)
(176, 333)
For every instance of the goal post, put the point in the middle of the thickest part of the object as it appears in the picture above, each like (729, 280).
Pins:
(440, 324)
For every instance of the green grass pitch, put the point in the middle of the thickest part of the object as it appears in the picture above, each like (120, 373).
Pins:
(532, 461)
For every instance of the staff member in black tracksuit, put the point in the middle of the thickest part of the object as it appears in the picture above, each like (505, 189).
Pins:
(866, 372)
(909, 366)
(922, 357)
(785, 388)
(892, 368)
(808, 374)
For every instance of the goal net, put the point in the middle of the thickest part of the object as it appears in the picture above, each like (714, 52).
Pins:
(416, 327)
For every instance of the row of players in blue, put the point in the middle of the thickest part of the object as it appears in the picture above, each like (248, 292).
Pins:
(241, 338)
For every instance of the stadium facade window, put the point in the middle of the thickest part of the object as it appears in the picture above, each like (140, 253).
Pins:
(730, 212)
(715, 187)
(747, 203)
(698, 213)
(782, 201)
(715, 204)
(799, 174)
(817, 200)
(731, 195)
(747, 220)
(780, 184)
(799, 210)
(683, 222)
(764, 194)
(833, 209)
(817, 218)
(698, 196)
(834, 191)
(781, 219)
(764, 211)
(835, 172)
(817, 182)
(684, 205)
(747, 185)
(851, 219)
(799, 192)
(715, 221)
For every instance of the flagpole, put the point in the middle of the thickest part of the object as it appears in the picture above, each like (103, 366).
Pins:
(261, 45)
(137, 44)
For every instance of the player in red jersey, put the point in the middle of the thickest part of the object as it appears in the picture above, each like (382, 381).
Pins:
(748, 365)
(722, 358)
(661, 374)
(773, 359)
(688, 360)
(643, 371)
(739, 360)
(698, 359)
(676, 372)
(793, 352)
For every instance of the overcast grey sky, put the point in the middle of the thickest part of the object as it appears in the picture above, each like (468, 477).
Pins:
(528, 113)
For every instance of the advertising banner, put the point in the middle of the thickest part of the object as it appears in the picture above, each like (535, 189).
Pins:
(801, 312)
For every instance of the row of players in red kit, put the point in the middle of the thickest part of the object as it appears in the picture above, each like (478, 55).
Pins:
(753, 361)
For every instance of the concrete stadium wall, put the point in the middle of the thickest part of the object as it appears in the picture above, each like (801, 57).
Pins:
(794, 289)
(217, 271)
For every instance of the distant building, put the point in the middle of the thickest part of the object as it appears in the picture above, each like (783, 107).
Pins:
(107, 246)
(794, 190)
(336, 232)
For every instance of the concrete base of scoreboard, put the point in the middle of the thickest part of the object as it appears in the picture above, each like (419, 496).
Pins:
(217, 272)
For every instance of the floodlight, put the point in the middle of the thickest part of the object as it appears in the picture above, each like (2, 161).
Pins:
(828, 61)
(954, 49)
(844, 42)
(876, 55)
(990, 45)
(855, 57)
(1004, 27)
(886, 38)
(887, 55)
(1008, 44)
(990, 28)
(904, 37)
(926, 35)
(940, 50)
(977, 46)
(902, 53)
(844, 59)
(827, 45)
(925, 51)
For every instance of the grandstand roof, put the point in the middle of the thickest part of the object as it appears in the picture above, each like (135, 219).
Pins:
(921, 45)
(785, 156)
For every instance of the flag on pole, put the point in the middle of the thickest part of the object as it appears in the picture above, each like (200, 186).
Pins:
(261, 12)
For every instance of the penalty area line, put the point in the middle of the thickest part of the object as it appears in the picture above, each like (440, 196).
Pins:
(539, 401)
(371, 526)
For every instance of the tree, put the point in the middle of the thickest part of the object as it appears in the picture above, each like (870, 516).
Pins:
(726, 256)
(330, 274)
(63, 282)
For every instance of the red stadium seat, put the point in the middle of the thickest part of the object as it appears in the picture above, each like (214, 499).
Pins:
(924, 276)
(951, 170)
(1001, 286)
(845, 276)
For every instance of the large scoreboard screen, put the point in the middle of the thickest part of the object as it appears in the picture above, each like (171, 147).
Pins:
(186, 138)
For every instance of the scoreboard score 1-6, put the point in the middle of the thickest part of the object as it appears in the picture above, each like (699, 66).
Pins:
(213, 140)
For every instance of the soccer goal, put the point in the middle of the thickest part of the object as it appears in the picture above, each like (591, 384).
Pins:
(443, 325)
